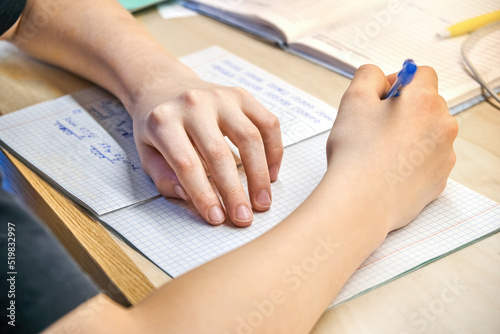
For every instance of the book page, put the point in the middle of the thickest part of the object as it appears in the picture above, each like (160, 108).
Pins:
(84, 142)
(289, 19)
(175, 237)
(173, 10)
(388, 36)
(307, 16)
(246, 15)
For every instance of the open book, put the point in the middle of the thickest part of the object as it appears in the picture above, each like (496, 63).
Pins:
(343, 35)
(83, 144)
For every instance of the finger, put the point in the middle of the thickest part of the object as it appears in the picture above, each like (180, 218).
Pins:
(163, 176)
(213, 148)
(391, 78)
(425, 77)
(175, 146)
(245, 135)
(369, 82)
(270, 131)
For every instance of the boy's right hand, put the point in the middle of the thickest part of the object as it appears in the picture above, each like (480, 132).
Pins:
(402, 147)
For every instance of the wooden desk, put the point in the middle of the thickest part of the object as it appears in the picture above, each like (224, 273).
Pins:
(459, 293)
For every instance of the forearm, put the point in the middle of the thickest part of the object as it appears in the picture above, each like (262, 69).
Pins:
(296, 268)
(283, 280)
(98, 40)
(179, 120)
(288, 276)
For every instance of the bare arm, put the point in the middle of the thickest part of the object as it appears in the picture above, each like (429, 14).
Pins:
(284, 280)
(176, 115)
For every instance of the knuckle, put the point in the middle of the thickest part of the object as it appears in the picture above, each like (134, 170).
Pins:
(428, 70)
(203, 199)
(449, 128)
(453, 127)
(367, 68)
(441, 186)
(183, 164)
(367, 71)
(452, 160)
(249, 134)
(192, 98)
(272, 123)
(444, 104)
(240, 92)
(217, 151)
(278, 151)
(234, 192)
(218, 92)
(261, 176)
(157, 118)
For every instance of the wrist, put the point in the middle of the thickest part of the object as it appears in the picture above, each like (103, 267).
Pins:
(150, 85)
(359, 199)
(341, 212)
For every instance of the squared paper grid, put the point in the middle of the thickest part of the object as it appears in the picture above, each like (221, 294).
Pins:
(174, 237)
(458, 217)
(172, 234)
(100, 166)
(177, 239)
(83, 142)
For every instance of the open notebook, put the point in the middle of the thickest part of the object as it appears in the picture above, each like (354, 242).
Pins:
(343, 35)
(83, 143)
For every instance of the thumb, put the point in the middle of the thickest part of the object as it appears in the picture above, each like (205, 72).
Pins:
(161, 173)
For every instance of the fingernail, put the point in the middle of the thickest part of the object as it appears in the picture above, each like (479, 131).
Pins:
(216, 216)
(181, 193)
(263, 198)
(243, 213)
(273, 172)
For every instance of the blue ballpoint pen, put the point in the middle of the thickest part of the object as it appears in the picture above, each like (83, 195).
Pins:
(404, 77)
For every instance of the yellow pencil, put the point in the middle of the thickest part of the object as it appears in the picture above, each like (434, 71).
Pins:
(467, 26)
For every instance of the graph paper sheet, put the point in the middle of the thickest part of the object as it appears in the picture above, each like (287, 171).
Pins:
(84, 142)
(176, 238)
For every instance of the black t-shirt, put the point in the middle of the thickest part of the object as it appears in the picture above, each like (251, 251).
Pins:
(10, 10)
(40, 282)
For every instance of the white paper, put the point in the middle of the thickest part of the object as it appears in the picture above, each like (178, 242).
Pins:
(174, 10)
(84, 142)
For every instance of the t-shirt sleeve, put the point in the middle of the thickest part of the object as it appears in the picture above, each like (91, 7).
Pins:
(10, 10)
(43, 282)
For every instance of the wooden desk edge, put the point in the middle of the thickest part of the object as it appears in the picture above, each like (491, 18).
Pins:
(84, 238)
